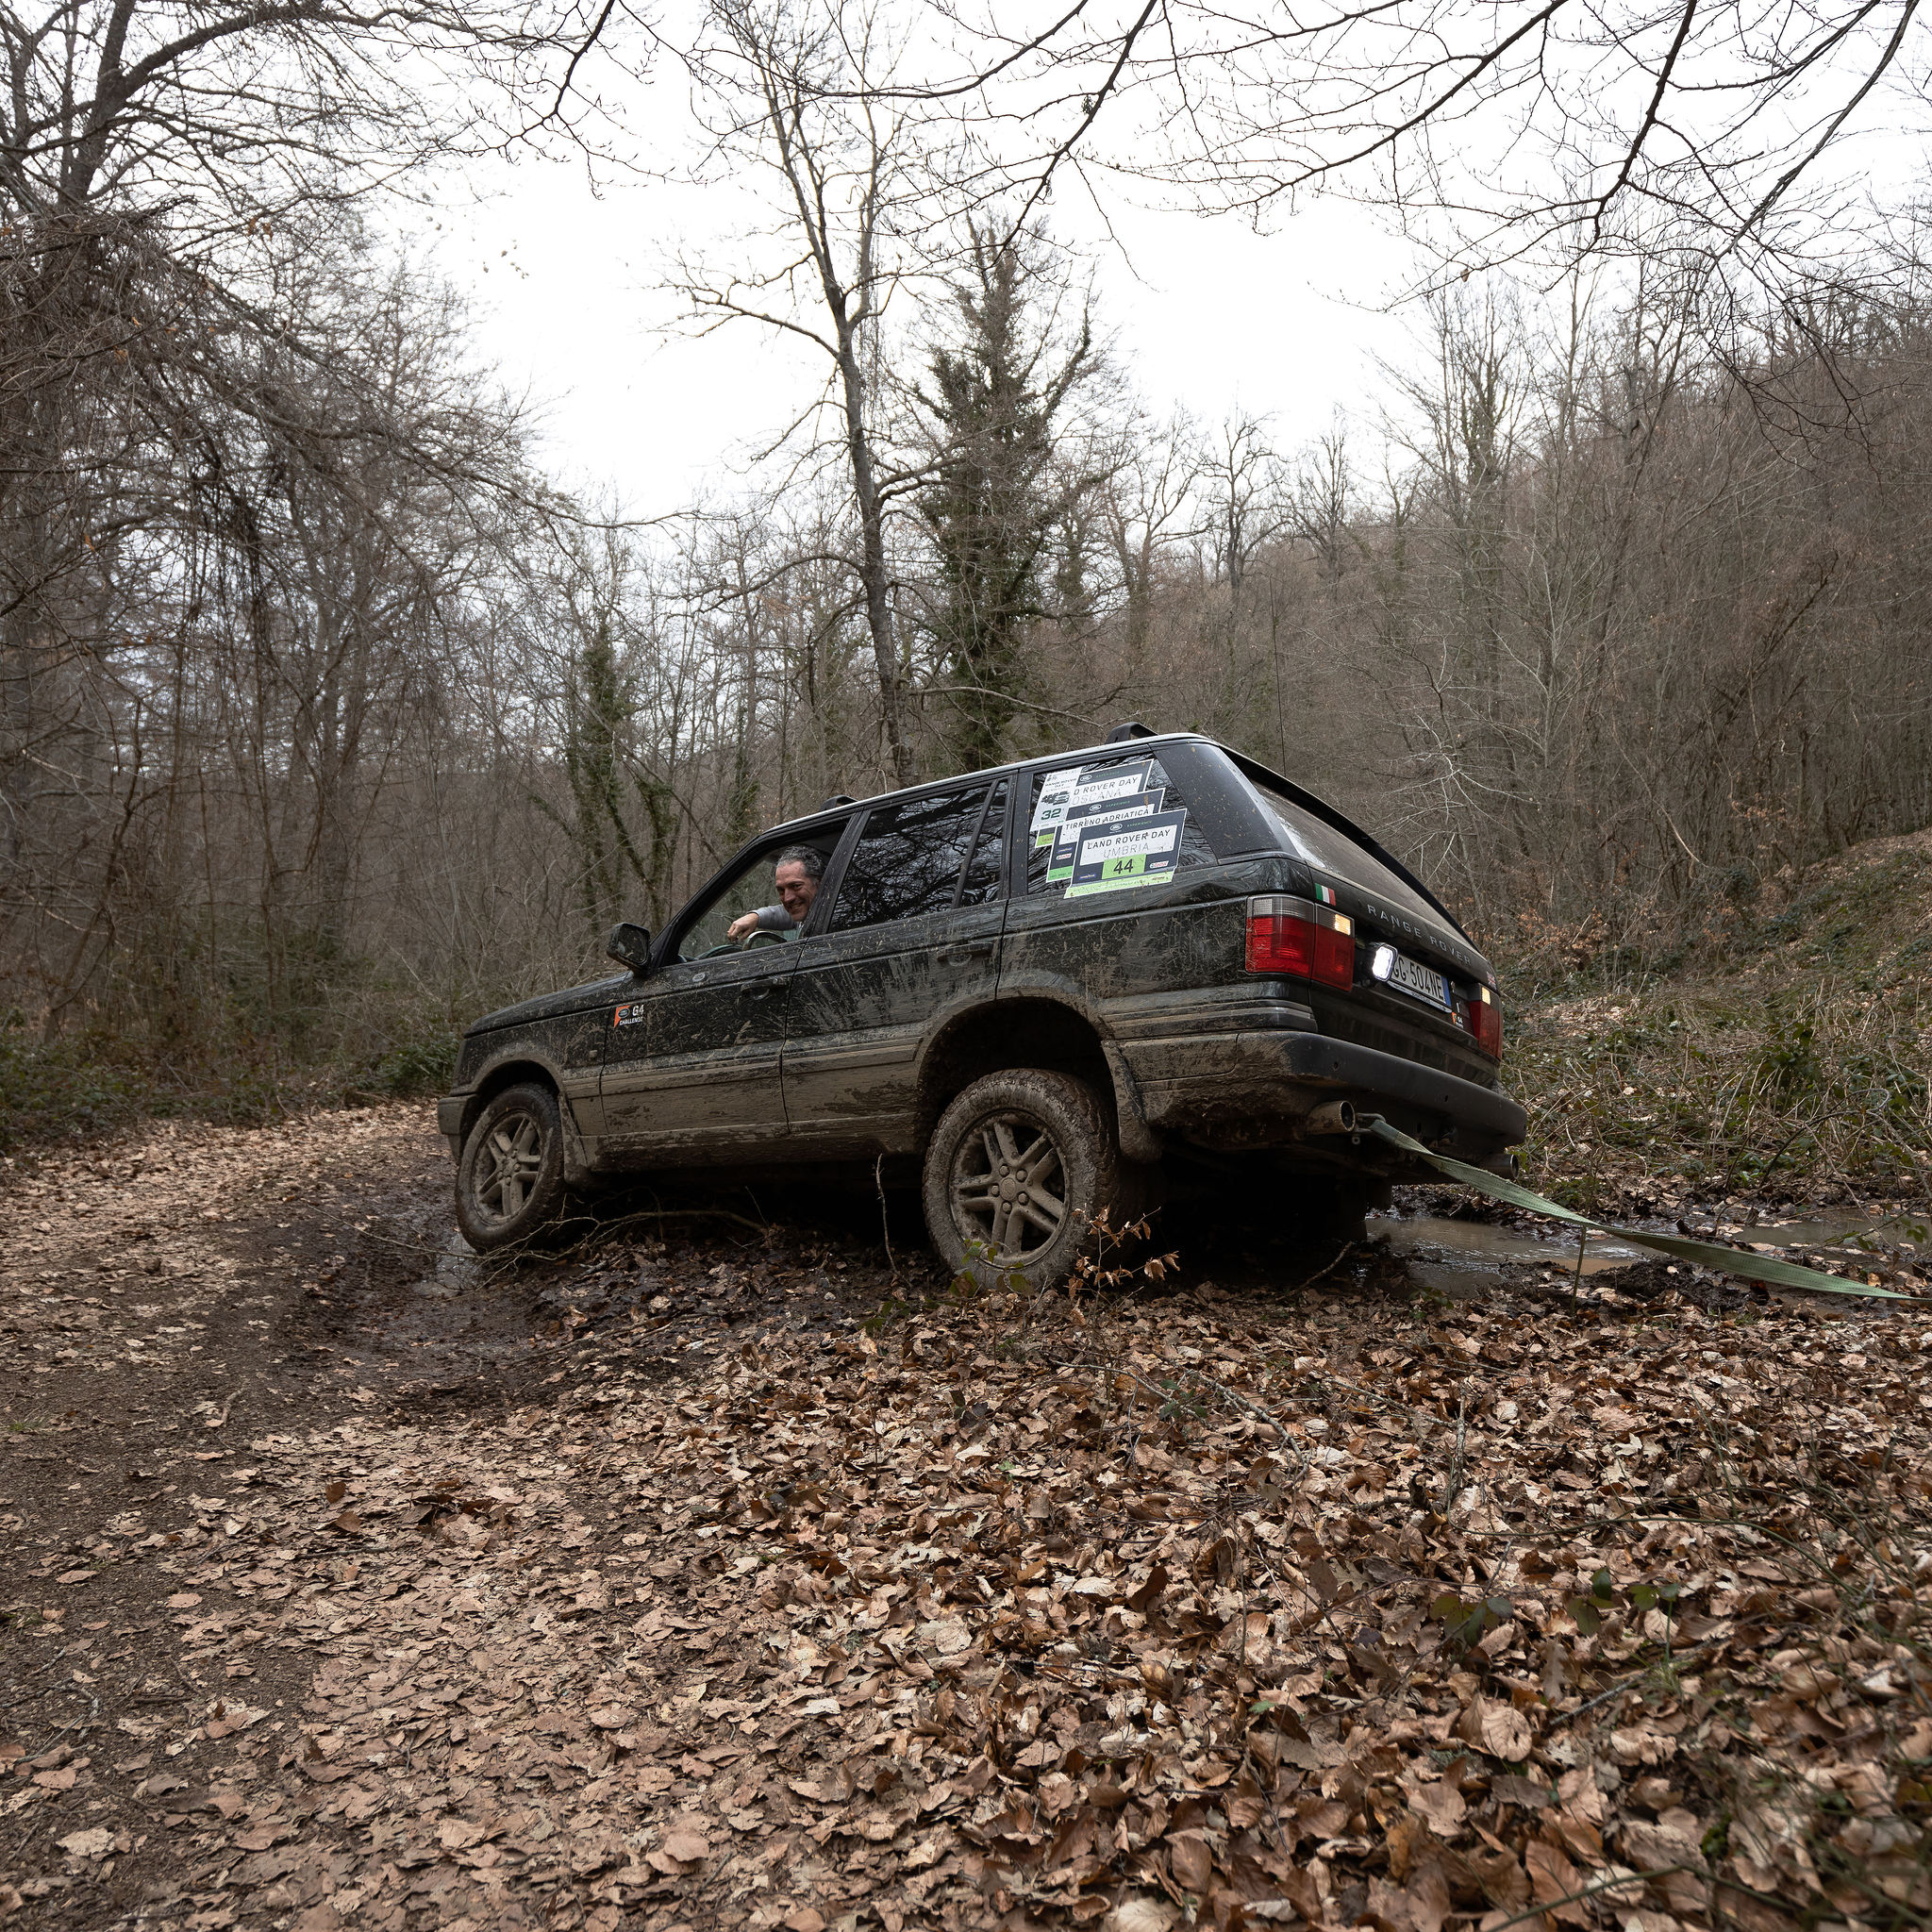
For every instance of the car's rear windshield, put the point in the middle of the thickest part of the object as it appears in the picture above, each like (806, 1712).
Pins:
(1319, 844)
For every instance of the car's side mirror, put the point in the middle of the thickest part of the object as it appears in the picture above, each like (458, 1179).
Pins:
(630, 945)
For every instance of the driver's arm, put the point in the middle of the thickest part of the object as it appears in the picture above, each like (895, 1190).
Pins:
(766, 919)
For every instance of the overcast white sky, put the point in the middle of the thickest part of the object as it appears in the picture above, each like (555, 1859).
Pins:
(565, 284)
(568, 303)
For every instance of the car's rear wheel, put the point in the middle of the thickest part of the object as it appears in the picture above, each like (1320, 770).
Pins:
(1018, 1170)
(509, 1182)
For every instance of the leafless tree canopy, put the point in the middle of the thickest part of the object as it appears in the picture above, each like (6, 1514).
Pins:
(1537, 128)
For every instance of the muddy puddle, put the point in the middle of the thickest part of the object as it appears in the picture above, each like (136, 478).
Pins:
(457, 1270)
(1466, 1259)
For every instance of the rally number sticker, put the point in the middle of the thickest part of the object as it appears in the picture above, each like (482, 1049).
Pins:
(1084, 815)
(1134, 852)
(1086, 786)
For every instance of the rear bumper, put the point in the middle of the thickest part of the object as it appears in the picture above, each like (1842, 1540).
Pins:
(1255, 1089)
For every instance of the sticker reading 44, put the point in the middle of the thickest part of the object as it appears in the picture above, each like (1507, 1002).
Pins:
(1137, 852)
(1085, 816)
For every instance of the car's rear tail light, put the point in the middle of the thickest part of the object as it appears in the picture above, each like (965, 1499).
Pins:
(1296, 936)
(1486, 1022)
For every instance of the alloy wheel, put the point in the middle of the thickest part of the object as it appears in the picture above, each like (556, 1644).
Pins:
(1008, 1187)
(515, 1149)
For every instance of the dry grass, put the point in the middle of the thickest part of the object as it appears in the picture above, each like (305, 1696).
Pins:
(1790, 1051)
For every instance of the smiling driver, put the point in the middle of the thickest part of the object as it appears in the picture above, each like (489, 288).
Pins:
(796, 877)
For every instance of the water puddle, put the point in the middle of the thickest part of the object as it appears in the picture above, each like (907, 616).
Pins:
(457, 1270)
(1465, 1259)
(1837, 1232)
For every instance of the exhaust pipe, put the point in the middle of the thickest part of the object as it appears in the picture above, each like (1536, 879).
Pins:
(1333, 1117)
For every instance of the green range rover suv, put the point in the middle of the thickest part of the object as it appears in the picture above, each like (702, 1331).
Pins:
(1045, 990)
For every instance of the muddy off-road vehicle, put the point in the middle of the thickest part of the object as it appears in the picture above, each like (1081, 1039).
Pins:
(1042, 991)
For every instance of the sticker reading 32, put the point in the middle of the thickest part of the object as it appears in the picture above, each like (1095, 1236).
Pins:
(1137, 852)
(1086, 786)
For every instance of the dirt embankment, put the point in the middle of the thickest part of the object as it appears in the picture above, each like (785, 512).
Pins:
(727, 1575)
(1783, 1059)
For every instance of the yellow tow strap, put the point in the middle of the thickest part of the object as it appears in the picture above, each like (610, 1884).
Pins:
(1707, 1254)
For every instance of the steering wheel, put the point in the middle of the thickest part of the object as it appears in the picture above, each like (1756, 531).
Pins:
(723, 951)
(761, 936)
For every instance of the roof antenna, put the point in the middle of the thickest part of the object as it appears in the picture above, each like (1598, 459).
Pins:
(1121, 733)
(837, 798)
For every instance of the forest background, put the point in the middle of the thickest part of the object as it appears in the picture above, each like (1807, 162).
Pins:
(328, 720)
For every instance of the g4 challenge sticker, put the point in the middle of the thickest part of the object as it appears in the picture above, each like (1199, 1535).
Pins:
(630, 1015)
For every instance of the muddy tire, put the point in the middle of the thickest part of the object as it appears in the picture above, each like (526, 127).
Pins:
(509, 1182)
(1016, 1171)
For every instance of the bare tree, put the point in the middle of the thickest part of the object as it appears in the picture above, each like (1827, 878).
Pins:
(789, 85)
(1499, 129)
(1236, 478)
(1148, 495)
(1321, 502)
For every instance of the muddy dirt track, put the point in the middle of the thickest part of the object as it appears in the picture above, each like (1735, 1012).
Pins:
(207, 1334)
(726, 1572)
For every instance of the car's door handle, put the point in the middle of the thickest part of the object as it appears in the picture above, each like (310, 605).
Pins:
(973, 949)
(760, 992)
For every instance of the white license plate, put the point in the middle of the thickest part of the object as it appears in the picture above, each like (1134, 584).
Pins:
(1420, 982)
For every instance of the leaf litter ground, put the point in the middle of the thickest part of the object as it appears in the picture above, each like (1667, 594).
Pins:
(726, 1574)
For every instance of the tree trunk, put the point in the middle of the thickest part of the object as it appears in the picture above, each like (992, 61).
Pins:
(872, 576)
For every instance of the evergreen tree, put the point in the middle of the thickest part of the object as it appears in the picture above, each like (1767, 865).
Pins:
(999, 397)
(600, 704)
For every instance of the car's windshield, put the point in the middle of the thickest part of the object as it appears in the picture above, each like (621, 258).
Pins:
(1319, 844)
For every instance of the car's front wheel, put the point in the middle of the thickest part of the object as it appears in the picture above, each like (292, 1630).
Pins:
(509, 1182)
(1018, 1170)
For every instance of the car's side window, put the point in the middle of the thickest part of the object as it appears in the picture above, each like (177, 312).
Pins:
(1131, 815)
(785, 872)
(986, 870)
(909, 859)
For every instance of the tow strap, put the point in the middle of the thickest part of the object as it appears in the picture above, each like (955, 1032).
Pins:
(1705, 1254)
